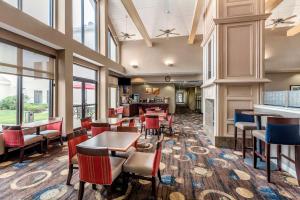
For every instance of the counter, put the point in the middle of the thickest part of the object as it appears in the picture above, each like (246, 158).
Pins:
(132, 109)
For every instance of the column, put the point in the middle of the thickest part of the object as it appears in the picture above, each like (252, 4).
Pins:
(233, 72)
(103, 93)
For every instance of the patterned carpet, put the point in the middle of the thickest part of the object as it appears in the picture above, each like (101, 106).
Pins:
(191, 169)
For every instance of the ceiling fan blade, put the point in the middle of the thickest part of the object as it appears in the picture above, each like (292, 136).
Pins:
(123, 33)
(173, 29)
(175, 33)
(160, 35)
(162, 30)
(288, 22)
(293, 16)
(271, 24)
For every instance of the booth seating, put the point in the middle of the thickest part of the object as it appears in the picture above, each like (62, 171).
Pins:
(245, 123)
(280, 131)
(14, 138)
(53, 132)
(145, 166)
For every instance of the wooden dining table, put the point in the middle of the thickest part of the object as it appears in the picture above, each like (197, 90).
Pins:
(114, 141)
(38, 124)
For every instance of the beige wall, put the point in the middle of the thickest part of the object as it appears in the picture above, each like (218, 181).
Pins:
(166, 90)
(282, 81)
(187, 58)
(191, 98)
(281, 52)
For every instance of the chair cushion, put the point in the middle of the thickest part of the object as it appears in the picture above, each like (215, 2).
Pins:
(246, 125)
(116, 166)
(126, 154)
(259, 134)
(49, 133)
(31, 139)
(74, 159)
(140, 163)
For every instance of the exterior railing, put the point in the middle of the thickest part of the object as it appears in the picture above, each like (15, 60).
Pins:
(282, 98)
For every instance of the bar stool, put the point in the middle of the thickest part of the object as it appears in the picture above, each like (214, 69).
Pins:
(280, 131)
(245, 123)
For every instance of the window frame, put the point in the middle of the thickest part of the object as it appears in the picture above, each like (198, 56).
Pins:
(51, 11)
(82, 28)
(83, 82)
(110, 36)
(177, 99)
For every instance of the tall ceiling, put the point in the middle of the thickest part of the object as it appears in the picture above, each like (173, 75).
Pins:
(285, 9)
(153, 14)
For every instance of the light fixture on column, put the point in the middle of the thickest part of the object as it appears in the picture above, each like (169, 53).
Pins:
(169, 63)
(134, 65)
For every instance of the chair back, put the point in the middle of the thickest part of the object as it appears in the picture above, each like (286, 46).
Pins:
(142, 118)
(96, 124)
(86, 123)
(99, 130)
(127, 129)
(94, 165)
(13, 136)
(120, 110)
(55, 126)
(152, 122)
(75, 138)
(157, 157)
(283, 131)
(141, 111)
(131, 123)
(111, 112)
(240, 117)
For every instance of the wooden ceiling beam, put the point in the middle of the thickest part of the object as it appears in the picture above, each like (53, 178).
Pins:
(293, 31)
(195, 23)
(271, 4)
(133, 13)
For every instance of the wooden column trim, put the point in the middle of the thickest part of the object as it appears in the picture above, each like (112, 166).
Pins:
(195, 23)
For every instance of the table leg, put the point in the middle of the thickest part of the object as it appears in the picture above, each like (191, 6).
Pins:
(113, 153)
(297, 162)
(38, 130)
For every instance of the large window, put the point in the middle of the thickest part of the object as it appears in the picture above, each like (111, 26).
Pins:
(84, 93)
(112, 47)
(84, 22)
(113, 95)
(26, 85)
(179, 97)
(41, 9)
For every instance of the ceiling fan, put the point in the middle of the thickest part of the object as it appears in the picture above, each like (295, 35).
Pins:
(167, 32)
(125, 35)
(278, 21)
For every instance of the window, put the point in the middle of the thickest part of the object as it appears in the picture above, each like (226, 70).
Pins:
(112, 47)
(179, 97)
(84, 22)
(112, 97)
(41, 9)
(84, 93)
(26, 85)
(209, 61)
(8, 99)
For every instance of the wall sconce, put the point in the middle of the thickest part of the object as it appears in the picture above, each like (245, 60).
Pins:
(134, 65)
(169, 63)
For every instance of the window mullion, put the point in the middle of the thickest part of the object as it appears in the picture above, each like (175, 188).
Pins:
(82, 22)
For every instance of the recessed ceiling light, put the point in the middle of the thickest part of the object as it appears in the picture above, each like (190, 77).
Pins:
(169, 63)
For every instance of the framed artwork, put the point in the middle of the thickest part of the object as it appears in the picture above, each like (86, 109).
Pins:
(295, 87)
(148, 91)
(155, 91)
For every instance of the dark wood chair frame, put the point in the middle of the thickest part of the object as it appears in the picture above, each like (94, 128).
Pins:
(267, 158)
(244, 147)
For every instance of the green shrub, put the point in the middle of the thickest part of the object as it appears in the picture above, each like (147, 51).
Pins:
(8, 103)
(36, 108)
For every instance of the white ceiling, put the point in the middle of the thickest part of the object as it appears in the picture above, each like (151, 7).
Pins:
(285, 9)
(154, 17)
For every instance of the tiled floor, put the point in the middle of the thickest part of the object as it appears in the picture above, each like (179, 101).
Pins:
(191, 167)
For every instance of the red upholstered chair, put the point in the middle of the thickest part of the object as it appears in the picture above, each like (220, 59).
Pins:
(86, 123)
(145, 165)
(73, 139)
(120, 111)
(142, 119)
(99, 130)
(97, 168)
(112, 112)
(14, 138)
(131, 123)
(152, 124)
(53, 132)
